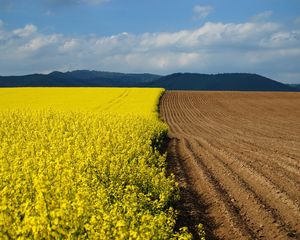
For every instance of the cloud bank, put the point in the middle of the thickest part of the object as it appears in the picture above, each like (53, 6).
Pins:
(262, 47)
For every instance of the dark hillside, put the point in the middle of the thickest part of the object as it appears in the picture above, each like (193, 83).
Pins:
(226, 82)
(79, 78)
(295, 86)
(176, 81)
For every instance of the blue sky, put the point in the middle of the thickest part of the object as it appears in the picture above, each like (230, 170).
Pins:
(258, 36)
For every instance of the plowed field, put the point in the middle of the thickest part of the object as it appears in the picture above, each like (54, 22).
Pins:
(236, 156)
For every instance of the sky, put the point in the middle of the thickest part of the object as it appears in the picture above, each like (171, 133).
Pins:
(157, 36)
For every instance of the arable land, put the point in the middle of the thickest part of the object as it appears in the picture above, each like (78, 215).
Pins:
(236, 156)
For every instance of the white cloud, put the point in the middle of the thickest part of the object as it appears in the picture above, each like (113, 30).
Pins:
(210, 34)
(26, 31)
(262, 16)
(283, 38)
(69, 45)
(39, 42)
(266, 48)
(202, 11)
(153, 60)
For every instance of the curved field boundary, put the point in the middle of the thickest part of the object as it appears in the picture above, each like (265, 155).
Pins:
(236, 156)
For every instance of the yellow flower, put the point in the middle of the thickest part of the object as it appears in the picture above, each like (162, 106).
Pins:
(82, 163)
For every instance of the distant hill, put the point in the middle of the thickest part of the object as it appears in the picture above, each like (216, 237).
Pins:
(176, 81)
(224, 82)
(79, 78)
(295, 85)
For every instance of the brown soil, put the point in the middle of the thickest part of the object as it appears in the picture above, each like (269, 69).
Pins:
(236, 156)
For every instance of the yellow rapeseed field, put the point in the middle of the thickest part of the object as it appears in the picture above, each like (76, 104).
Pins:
(83, 163)
(97, 100)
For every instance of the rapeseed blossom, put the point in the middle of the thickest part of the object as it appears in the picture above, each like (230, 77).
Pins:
(69, 172)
